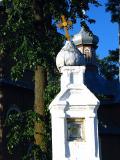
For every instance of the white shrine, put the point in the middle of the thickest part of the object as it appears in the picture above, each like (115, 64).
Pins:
(74, 110)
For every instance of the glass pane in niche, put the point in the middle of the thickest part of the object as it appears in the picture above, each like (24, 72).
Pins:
(75, 129)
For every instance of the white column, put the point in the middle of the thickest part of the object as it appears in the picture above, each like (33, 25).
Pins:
(72, 75)
(92, 137)
(74, 101)
(58, 135)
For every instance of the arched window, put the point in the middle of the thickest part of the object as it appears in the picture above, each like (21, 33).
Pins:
(87, 54)
(12, 110)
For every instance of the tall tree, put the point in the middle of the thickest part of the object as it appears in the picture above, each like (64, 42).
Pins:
(109, 65)
(114, 7)
(30, 36)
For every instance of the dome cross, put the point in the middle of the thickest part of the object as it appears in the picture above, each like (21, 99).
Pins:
(65, 24)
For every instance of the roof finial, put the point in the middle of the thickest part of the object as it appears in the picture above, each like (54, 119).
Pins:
(65, 24)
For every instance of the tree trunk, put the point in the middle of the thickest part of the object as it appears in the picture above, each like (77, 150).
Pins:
(39, 106)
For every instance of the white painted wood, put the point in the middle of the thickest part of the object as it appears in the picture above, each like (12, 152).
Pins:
(75, 101)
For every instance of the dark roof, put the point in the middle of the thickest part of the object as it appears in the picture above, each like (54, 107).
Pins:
(100, 86)
(20, 84)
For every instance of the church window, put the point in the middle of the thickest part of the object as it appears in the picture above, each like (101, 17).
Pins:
(87, 52)
(12, 110)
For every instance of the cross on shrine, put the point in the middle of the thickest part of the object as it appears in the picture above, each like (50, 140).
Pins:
(65, 24)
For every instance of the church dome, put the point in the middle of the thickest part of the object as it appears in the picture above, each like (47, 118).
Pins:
(84, 37)
(69, 55)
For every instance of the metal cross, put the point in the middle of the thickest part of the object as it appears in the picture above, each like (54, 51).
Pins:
(65, 24)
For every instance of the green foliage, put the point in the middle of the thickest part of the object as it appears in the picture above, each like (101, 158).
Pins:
(35, 153)
(109, 65)
(52, 89)
(29, 31)
(22, 38)
(114, 7)
(20, 128)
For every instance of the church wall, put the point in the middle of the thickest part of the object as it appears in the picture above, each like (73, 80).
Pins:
(110, 147)
(19, 96)
(109, 131)
(108, 116)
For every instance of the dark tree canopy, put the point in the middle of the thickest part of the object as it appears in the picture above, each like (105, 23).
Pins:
(109, 65)
(30, 33)
(114, 7)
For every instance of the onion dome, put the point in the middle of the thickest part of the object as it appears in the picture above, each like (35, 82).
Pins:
(84, 37)
(69, 55)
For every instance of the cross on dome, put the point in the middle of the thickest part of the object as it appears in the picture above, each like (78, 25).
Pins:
(65, 24)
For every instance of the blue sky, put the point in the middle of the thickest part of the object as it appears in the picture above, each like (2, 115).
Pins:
(103, 28)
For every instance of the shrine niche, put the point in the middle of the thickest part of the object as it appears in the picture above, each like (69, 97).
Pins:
(75, 129)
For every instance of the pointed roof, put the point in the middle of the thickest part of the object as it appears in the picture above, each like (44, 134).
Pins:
(75, 98)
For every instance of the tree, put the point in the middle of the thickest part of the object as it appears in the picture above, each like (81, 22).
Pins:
(114, 7)
(30, 36)
(109, 65)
